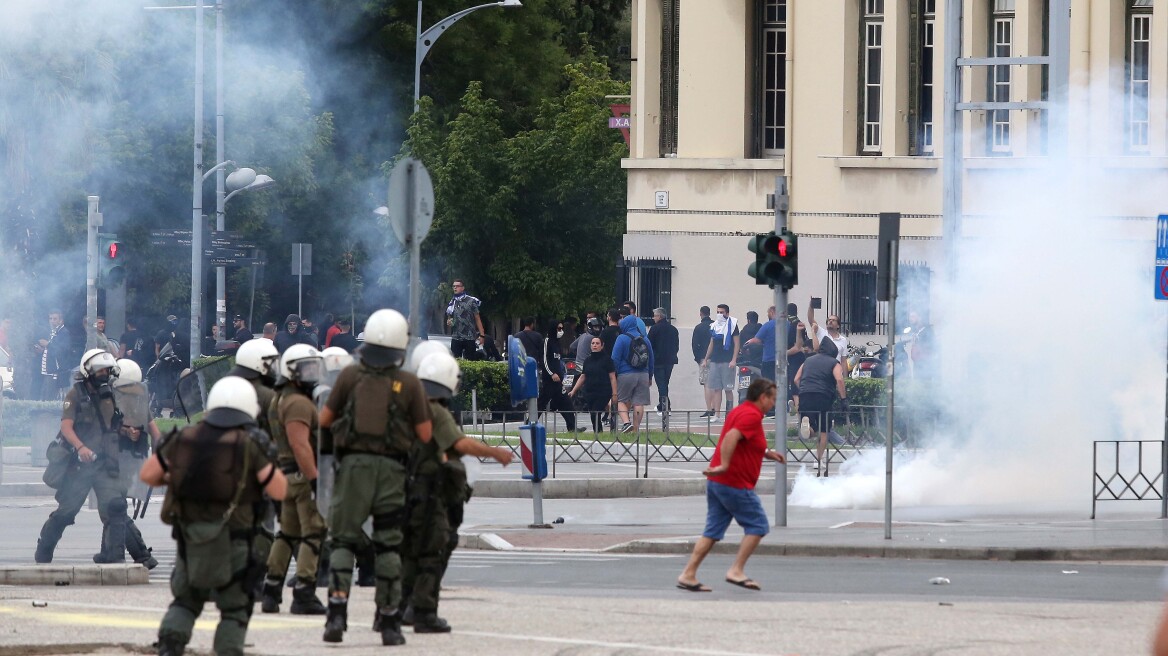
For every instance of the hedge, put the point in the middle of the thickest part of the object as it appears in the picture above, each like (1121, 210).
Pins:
(490, 380)
(17, 421)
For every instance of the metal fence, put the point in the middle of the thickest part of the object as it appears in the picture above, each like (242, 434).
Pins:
(1129, 470)
(685, 436)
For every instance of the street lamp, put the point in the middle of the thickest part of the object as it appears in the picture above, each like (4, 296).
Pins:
(425, 40)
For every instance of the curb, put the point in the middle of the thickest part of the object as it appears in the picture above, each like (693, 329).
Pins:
(61, 575)
(600, 488)
(492, 542)
(26, 490)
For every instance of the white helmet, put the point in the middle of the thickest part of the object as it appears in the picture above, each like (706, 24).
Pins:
(440, 374)
(95, 360)
(335, 359)
(302, 363)
(258, 355)
(387, 328)
(128, 372)
(421, 351)
(229, 396)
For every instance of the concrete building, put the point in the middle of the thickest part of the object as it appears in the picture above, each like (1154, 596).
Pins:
(844, 98)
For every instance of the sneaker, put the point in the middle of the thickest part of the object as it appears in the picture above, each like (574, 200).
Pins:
(627, 428)
(707, 413)
(805, 428)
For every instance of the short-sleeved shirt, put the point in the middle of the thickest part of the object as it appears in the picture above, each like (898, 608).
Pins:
(841, 343)
(720, 353)
(79, 409)
(372, 421)
(597, 367)
(608, 337)
(462, 311)
(746, 463)
(295, 407)
(766, 335)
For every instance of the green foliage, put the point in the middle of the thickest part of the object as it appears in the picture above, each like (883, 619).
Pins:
(491, 381)
(17, 418)
(865, 391)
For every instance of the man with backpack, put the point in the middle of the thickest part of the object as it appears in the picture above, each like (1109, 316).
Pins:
(633, 357)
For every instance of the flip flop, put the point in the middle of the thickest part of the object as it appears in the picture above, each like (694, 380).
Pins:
(744, 583)
(696, 587)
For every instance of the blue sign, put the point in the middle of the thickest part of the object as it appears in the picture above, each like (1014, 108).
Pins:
(522, 372)
(1162, 239)
(1161, 283)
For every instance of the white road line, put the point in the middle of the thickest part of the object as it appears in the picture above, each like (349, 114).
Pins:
(606, 645)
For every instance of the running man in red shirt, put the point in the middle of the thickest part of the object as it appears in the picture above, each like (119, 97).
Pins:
(732, 474)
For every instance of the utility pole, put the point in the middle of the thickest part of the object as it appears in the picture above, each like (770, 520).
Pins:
(781, 203)
(197, 195)
(220, 190)
(92, 258)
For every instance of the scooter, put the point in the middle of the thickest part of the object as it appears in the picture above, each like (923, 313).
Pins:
(871, 361)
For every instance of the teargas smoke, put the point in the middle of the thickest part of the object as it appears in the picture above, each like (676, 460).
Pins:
(1049, 338)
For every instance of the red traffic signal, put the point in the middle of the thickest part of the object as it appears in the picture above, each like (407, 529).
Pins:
(112, 251)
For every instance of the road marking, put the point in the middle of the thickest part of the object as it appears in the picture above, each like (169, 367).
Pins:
(605, 645)
(81, 617)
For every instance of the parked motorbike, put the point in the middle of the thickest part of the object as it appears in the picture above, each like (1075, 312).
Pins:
(871, 361)
(748, 371)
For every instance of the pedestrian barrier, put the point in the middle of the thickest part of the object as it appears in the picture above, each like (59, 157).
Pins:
(1126, 468)
(686, 436)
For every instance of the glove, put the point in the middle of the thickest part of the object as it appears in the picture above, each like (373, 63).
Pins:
(844, 405)
(312, 484)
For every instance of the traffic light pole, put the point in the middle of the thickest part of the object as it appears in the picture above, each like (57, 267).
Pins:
(92, 258)
(782, 203)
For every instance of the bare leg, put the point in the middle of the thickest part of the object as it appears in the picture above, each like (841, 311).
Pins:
(737, 570)
(624, 411)
(638, 415)
(712, 398)
(730, 400)
(819, 449)
(689, 575)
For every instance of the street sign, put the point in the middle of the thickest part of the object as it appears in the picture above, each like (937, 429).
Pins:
(1162, 239)
(620, 122)
(170, 234)
(226, 252)
(1161, 283)
(240, 261)
(410, 173)
(170, 241)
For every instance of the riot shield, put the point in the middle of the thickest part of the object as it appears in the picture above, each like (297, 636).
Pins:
(325, 467)
(133, 400)
(191, 391)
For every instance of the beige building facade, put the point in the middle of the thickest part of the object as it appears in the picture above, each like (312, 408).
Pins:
(844, 98)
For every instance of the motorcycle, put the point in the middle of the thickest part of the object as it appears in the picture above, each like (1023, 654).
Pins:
(748, 371)
(869, 361)
(571, 371)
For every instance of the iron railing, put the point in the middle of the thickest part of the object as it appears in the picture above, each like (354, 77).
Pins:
(1124, 477)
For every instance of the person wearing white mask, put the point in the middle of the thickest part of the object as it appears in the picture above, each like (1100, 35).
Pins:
(551, 392)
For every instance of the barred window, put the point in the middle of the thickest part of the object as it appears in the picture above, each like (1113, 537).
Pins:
(1001, 45)
(646, 282)
(774, 64)
(928, 35)
(670, 72)
(1139, 55)
(872, 75)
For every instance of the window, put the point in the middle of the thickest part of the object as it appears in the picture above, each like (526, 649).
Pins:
(774, 65)
(1139, 45)
(925, 102)
(873, 34)
(646, 282)
(1001, 45)
(851, 293)
(670, 65)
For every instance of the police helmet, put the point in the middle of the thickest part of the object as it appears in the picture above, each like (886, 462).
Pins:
(302, 363)
(231, 402)
(421, 351)
(96, 360)
(128, 372)
(335, 359)
(440, 374)
(387, 328)
(257, 355)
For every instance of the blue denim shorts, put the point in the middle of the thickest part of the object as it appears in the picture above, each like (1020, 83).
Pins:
(724, 503)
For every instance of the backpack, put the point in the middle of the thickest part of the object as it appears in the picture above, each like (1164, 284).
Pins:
(639, 353)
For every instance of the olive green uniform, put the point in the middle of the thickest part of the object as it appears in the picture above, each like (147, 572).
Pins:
(300, 521)
(376, 411)
(95, 420)
(438, 477)
(213, 476)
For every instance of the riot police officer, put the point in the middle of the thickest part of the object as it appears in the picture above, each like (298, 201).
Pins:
(254, 362)
(376, 413)
(294, 420)
(133, 401)
(216, 472)
(90, 429)
(437, 491)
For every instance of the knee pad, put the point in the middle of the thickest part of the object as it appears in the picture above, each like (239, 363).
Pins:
(382, 548)
(117, 506)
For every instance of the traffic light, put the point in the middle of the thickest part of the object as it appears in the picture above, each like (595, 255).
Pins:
(112, 256)
(775, 260)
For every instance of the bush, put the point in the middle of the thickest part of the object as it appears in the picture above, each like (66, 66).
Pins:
(17, 418)
(491, 381)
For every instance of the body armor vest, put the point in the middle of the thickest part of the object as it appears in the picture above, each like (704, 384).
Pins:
(205, 465)
(374, 387)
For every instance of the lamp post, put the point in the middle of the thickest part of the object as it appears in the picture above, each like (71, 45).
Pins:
(197, 195)
(425, 40)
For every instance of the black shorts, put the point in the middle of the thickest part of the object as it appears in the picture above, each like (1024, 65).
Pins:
(815, 407)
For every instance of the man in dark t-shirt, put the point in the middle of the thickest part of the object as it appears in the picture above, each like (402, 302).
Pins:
(531, 340)
(610, 332)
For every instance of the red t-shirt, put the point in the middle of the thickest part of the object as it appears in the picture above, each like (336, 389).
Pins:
(332, 332)
(746, 464)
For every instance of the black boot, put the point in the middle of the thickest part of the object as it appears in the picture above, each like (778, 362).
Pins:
(170, 647)
(272, 597)
(427, 621)
(44, 552)
(338, 619)
(304, 601)
(141, 554)
(391, 629)
(407, 614)
(113, 542)
(50, 535)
